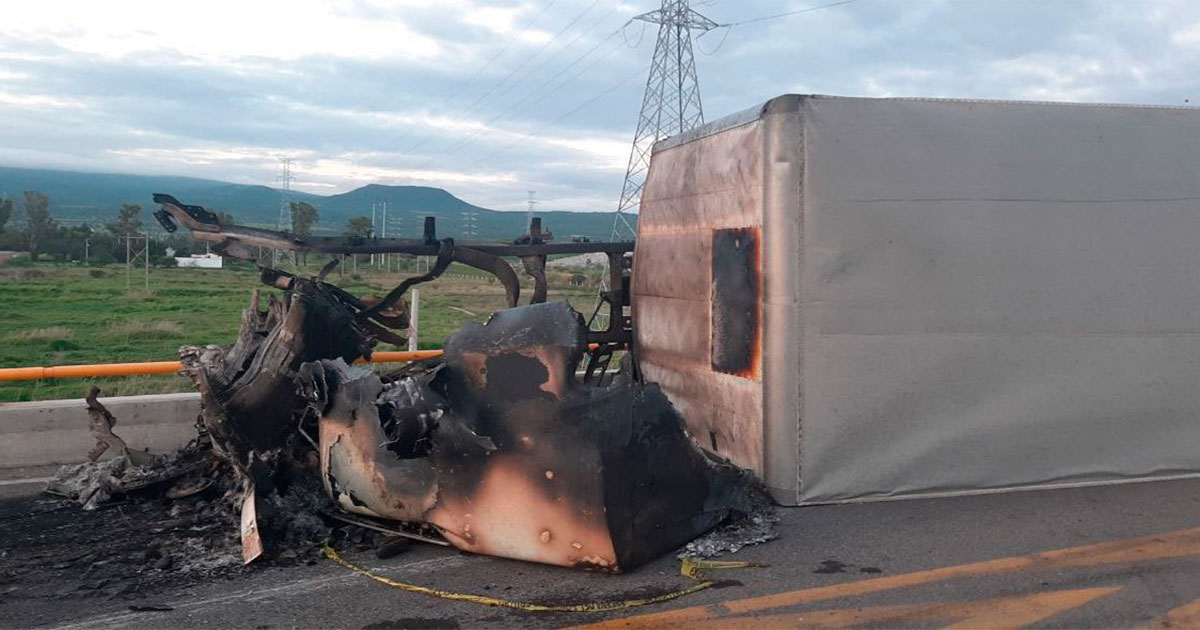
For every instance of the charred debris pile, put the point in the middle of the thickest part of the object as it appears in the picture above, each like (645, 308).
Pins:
(505, 445)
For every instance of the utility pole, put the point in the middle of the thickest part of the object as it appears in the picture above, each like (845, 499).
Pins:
(373, 204)
(383, 231)
(671, 103)
(414, 321)
(284, 222)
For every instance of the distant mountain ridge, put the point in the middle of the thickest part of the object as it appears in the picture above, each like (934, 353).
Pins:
(95, 198)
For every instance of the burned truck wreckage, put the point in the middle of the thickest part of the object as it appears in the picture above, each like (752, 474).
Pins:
(511, 443)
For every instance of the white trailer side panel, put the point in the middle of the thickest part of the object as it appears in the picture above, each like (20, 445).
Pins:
(998, 295)
(988, 295)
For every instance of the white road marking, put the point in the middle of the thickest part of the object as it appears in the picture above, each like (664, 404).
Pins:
(20, 482)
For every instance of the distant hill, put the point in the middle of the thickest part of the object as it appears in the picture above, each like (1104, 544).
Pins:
(95, 197)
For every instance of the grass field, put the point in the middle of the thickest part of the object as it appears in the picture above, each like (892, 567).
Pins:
(67, 314)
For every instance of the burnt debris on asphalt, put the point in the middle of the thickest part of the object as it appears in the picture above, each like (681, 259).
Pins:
(510, 444)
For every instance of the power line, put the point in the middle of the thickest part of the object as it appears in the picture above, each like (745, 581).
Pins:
(462, 114)
(504, 49)
(566, 68)
(729, 27)
(456, 146)
(641, 34)
(779, 15)
(535, 132)
(564, 29)
(490, 61)
(721, 43)
(515, 108)
(552, 57)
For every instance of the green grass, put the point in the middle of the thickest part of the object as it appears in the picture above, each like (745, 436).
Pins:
(63, 314)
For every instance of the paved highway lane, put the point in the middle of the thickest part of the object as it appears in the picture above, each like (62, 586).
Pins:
(1109, 556)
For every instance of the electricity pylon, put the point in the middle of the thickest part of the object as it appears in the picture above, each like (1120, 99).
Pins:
(671, 104)
(284, 222)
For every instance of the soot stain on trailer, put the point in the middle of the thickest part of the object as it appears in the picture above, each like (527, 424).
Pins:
(736, 292)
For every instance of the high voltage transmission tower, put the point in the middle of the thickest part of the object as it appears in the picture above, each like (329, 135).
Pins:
(671, 103)
(470, 224)
(284, 222)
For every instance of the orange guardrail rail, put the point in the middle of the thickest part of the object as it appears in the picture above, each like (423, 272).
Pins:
(165, 367)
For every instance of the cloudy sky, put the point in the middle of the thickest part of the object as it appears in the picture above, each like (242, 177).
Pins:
(490, 99)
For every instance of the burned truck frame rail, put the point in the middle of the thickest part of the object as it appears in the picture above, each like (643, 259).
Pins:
(501, 444)
(239, 242)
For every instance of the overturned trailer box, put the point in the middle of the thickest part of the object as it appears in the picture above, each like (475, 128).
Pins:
(867, 298)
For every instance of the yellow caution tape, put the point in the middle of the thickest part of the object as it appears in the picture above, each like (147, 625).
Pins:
(691, 568)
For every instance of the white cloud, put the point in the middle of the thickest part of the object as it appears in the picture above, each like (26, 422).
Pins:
(38, 102)
(1187, 36)
(496, 19)
(205, 156)
(603, 153)
(383, 90)
(214, 30)
(346, 168)
(534, 36)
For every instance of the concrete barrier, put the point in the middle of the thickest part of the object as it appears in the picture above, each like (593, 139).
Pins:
(56, 431)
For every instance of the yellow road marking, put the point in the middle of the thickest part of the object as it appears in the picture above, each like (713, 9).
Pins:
(1170, 545)
(1000, 612)
(1019, 612)
(1185, 616)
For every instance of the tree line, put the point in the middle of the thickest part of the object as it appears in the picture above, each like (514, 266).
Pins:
(42, 236)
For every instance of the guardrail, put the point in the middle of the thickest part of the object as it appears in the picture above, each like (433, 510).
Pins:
(167, 367)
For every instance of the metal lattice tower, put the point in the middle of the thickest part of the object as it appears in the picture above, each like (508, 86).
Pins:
(284, 222)
(671, 104)
(470, 224)
(285, 192)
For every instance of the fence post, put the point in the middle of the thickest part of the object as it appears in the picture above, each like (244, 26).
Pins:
(413, 327)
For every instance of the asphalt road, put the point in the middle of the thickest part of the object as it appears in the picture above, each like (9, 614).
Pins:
(1099, 557)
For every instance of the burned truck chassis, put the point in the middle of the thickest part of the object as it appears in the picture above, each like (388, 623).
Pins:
(499, 444)
(532, 248)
